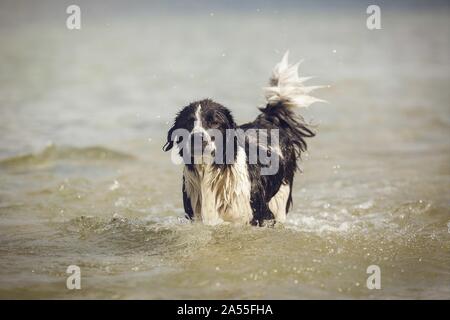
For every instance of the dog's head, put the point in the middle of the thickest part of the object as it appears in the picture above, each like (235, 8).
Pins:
(200, 131)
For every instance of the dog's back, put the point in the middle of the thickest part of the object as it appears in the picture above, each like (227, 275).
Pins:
(285, 94)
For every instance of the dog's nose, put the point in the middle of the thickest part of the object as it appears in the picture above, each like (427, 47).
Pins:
(198, 141)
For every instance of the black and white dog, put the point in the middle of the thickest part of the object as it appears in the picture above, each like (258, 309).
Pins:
(237, 190)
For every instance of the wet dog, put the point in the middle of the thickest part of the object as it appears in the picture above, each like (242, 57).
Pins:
(243, 173)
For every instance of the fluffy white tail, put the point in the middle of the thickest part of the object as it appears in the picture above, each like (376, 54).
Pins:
(287, 87)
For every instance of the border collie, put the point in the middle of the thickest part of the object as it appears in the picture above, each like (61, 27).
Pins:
(238, 190)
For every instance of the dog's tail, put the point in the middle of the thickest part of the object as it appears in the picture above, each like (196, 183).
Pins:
(286, 87)
(285, 94)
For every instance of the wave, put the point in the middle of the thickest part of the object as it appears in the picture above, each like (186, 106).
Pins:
(167, 236)
(57, 153)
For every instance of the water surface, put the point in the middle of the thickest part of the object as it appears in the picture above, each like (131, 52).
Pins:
(83, 180)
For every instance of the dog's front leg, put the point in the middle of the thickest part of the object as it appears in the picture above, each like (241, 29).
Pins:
(209, 213)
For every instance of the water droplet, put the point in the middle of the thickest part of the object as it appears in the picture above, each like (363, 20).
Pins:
(114, 186)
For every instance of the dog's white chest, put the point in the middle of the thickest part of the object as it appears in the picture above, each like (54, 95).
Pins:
(219, 195)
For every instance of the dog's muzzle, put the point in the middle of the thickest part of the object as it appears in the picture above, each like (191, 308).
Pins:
(198, 143)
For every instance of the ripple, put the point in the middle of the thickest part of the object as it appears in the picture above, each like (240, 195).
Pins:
(54, 153)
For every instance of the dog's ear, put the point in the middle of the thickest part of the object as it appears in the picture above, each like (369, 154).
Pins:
(169, 142)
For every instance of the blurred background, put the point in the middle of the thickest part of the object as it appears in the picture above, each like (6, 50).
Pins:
(84, 114)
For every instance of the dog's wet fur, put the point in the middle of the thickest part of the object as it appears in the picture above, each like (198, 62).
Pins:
(237, 191)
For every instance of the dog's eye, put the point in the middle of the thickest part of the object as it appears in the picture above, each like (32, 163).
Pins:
(214, 123)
